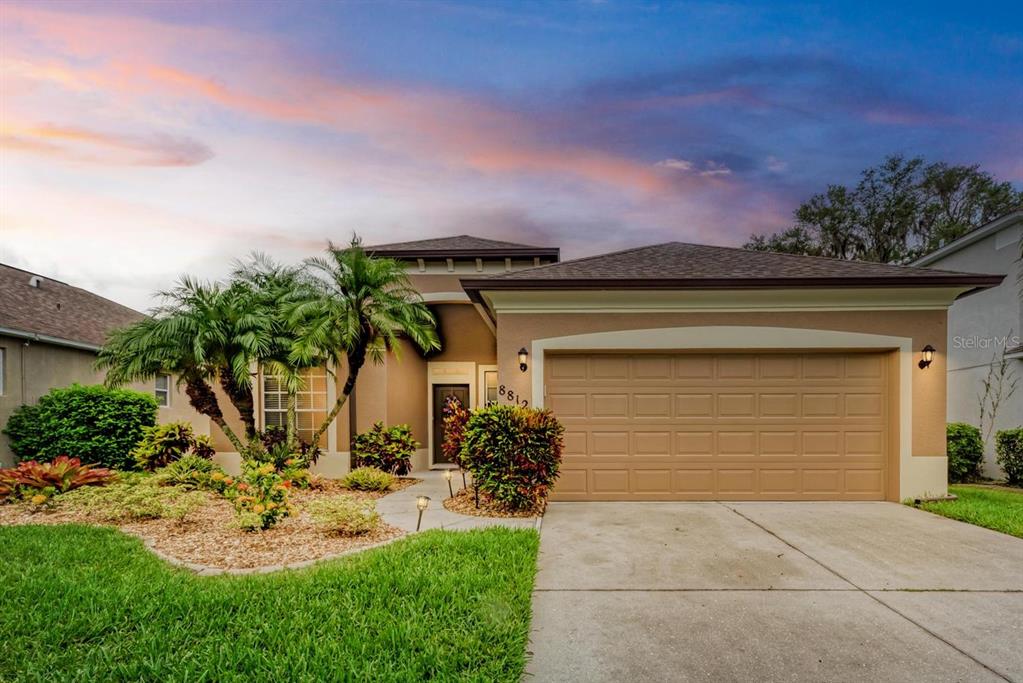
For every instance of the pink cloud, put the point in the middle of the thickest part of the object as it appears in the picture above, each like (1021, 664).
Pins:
(81, 144)
(449, 129)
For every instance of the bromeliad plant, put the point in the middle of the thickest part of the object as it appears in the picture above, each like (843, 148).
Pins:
(37, 482)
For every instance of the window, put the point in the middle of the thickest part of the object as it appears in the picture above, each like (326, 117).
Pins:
(162, 391)
(490, 387)
(311, 409)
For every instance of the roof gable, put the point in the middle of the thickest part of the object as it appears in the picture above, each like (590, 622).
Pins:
(997, 225)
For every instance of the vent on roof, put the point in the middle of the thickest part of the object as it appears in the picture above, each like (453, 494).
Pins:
(35, 281)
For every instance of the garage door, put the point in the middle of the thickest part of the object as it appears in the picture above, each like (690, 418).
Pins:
(722, 426)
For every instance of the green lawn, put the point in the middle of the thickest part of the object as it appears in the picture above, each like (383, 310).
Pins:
(88, 604)
(1000, 509)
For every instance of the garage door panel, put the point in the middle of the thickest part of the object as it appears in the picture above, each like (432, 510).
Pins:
(730, 426)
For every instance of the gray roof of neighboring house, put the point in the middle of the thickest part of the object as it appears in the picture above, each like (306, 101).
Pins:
(460, 245)
(677, 265)
(969, 238)
(57, 312)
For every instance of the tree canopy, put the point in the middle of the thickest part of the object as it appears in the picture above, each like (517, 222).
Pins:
(899, 210)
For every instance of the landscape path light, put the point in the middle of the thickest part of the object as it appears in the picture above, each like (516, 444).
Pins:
(447, 477)
(422, 502)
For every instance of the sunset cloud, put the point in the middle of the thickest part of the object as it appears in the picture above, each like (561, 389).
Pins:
(90, 146)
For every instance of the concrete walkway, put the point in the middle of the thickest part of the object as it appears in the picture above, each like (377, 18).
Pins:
(773, 591)
(399, 509)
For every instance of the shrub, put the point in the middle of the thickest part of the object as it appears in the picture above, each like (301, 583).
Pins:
(368, 479)
(388, 449)
(191, 472)
(276, 450)
(513, 453)
(965, 451)
(455, 418)
(31, 478)
(260, 496)
(96, 424)
(161, 445)
(134, 498)
(344, 515)
(1009, 454)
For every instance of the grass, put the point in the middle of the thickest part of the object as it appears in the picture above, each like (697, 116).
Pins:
(84, 604)
(1000, 509)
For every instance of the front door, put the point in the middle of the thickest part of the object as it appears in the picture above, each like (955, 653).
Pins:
(441, 392)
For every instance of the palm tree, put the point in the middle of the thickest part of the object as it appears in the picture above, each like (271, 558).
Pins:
(272, 289)
(201, 334)
(362, 307)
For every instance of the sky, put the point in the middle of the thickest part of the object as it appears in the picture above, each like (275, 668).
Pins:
(143, 141)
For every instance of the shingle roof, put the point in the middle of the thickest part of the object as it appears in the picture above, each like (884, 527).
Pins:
(57, 310)
(680, 265)
(460, 245)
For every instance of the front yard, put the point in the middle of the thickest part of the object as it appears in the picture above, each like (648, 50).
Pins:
(87, 603)
(998, 508)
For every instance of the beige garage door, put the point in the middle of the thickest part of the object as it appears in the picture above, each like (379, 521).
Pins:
(685, 426)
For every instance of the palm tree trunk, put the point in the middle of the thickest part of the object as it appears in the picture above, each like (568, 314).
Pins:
(202, 397)
(241, 398)
(292, 419)
(356, 360)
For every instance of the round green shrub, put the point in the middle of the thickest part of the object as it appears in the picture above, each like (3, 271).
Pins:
(1009, 454)
(389, 449)
(368, 479)
(965, 450)
(97, 425)
(513, 453)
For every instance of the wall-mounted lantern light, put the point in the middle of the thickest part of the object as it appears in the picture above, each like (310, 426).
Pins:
(523, 354)
(926, 356)
(422, 502)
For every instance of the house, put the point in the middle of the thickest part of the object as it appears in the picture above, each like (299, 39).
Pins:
(49, 335)
(986, 329)
(680, 371)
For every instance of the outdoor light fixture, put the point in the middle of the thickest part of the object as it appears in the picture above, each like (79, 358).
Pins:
(926, 356)
(447, 477)
(523, 354)
(422, 502)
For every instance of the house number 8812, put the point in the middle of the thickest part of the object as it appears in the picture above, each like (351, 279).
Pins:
(511, 396)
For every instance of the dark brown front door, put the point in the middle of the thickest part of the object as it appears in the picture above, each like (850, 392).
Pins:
(440, 395)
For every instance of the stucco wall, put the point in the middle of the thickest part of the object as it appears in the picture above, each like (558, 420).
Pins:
(980, 327)
(32, 370)
(464, 335)
(921, 327)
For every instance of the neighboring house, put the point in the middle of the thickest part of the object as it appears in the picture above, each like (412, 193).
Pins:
(680, 371)
(49, 335)
(986, 328)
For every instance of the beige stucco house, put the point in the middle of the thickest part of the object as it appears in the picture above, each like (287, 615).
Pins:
(680, 371)
(49, 335)
(985, 331)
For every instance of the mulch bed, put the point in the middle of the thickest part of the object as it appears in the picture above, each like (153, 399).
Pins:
(464, 503)
(208, 535)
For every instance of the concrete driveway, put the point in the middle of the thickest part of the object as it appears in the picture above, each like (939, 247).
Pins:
(773, 591)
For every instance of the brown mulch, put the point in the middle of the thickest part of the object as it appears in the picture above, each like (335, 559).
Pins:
(334, 486)
(464, 503)
(208, 535)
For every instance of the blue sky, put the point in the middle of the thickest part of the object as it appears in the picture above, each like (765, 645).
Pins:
(178, 136)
